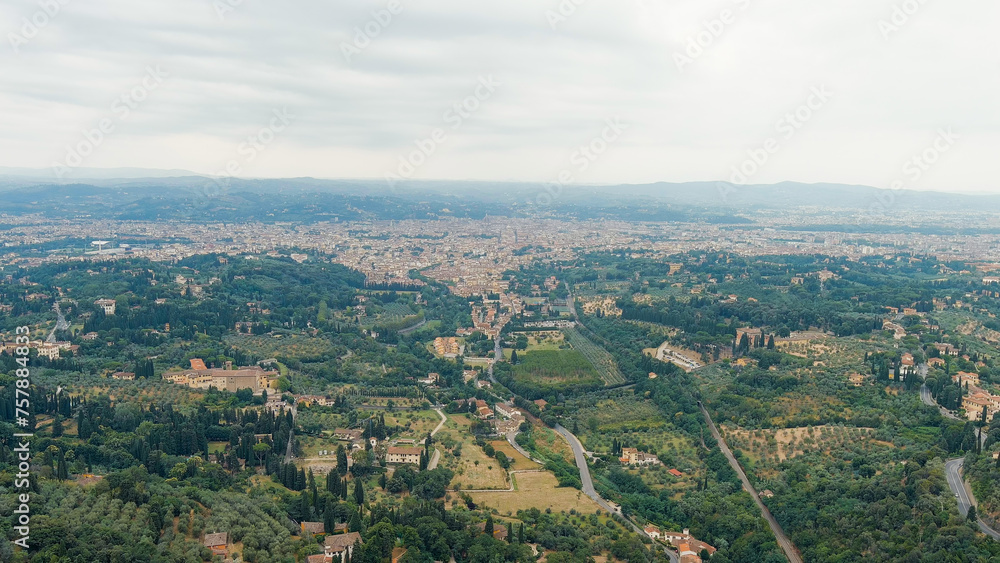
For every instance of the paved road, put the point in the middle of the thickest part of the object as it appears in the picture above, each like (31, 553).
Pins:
(588, 483)
(925, 394)
(413, 328)
(437, 453)
(953, 470)
(786, 544)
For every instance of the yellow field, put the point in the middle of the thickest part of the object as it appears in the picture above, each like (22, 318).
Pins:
(476, 470)
(468, 475)
(521, 463)
(536, 490)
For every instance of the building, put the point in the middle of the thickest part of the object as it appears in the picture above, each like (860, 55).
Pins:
(499, 531)
(653, 532)
(341, 546)
(352, 435)
(217, 543)
(964, 379)
(108, 305)
(946, 349)
(506, 411)
(754, 336)
(687, 546)
(202, 377)
(906, 365)
(632, 456)
(312, 528)
(397, 454)
(123, 376)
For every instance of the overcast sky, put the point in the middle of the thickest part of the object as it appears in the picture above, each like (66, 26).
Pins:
(689, 86)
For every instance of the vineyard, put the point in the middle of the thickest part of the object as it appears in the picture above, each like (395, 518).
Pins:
(597, 356)
(541, 373)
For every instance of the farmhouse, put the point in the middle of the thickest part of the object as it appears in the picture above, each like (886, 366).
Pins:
(312, 528)
(217, 543)
(341, 546)
(632, 456)
(688, 547)
(397, 454)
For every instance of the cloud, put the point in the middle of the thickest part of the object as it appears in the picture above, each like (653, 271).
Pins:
(602, 60)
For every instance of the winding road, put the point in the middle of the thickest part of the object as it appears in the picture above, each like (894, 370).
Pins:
(953, 471)
(588, 485)
(437, 453)
(786, 544)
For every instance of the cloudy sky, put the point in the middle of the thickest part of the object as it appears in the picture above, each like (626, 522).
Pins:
(875, 92)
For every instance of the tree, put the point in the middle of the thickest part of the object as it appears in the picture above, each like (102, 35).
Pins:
(260, 451)
(972, 516)
(341, 460)
(62, 473)
(489, 526)
(359, 492)
(513, 356)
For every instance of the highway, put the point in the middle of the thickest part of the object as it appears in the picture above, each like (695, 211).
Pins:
(786, 544)
(953, 471)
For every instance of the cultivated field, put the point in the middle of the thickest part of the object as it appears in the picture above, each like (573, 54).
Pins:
(473, 469)
(602, 361)
(536, 490)
(521, 463)
(779, 445)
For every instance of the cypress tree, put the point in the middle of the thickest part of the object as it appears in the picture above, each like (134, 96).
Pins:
(359, 492)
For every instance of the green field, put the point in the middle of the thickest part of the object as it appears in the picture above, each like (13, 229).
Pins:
(598, 357)
(545, 371)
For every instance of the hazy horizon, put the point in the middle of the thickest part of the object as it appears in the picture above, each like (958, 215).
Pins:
(675, 93)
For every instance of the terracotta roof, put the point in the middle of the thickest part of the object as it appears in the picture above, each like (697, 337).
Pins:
(341, 542)
(212, 540)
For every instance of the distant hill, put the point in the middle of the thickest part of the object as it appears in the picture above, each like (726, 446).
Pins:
(136, 193)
